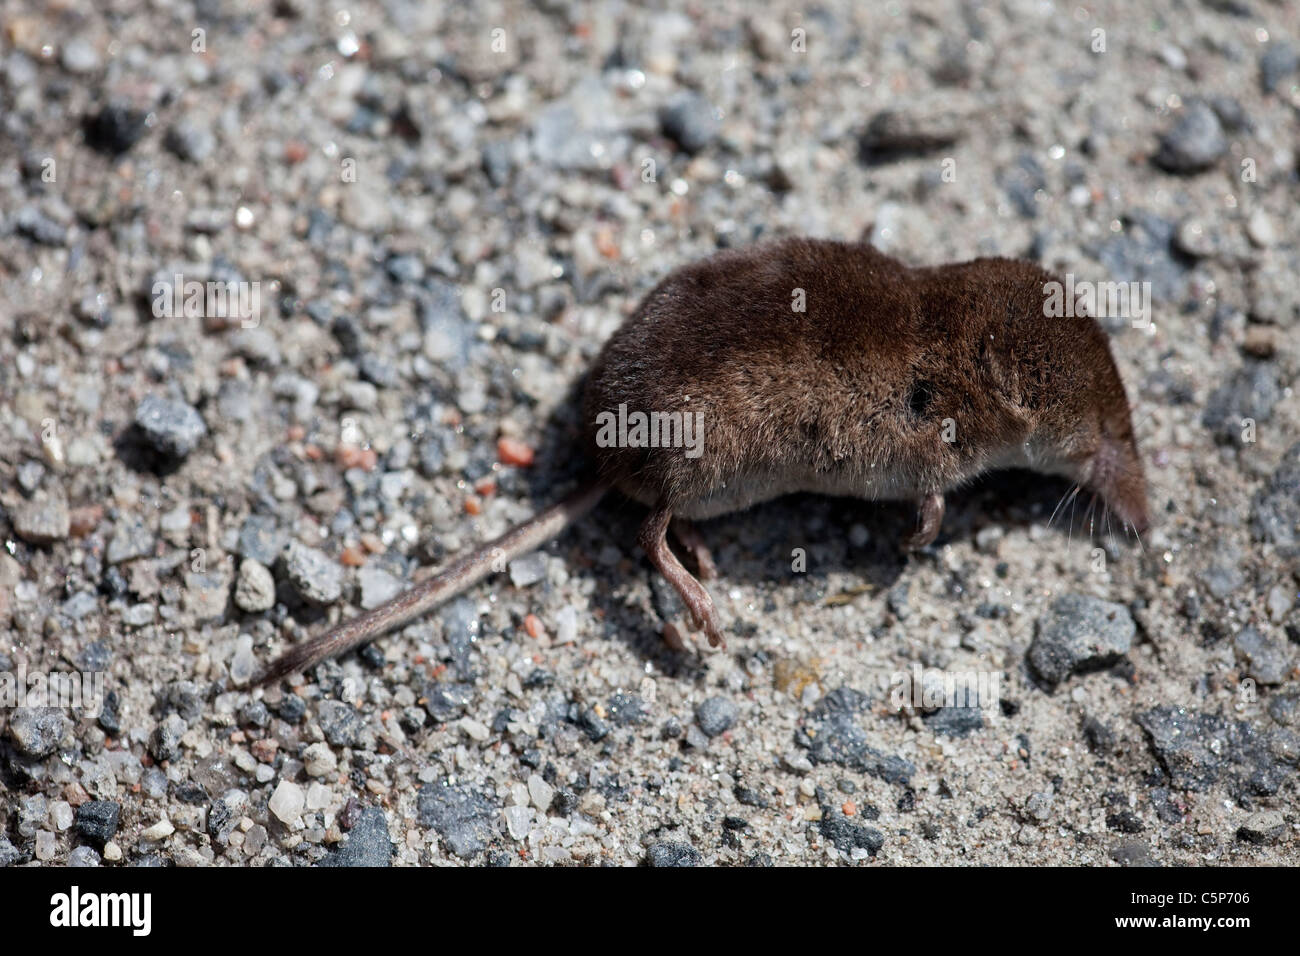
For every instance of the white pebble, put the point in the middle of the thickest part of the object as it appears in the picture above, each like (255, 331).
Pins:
(288, 802)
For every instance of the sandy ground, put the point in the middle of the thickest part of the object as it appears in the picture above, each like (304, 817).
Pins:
(446, 210)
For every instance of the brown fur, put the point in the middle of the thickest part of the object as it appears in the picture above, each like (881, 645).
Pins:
(852, 394)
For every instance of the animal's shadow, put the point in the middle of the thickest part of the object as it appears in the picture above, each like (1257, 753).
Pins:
(796, 541)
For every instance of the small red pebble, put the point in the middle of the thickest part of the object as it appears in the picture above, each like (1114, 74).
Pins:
(472, 506)
(85, 520)
(486, 486)
(313, 452)
(294, 153)
(353, 456)
(533, 626)
(849, 808)
(512, 451)
(352, 556)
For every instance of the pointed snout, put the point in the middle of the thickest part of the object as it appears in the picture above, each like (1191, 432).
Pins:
(1117, 475)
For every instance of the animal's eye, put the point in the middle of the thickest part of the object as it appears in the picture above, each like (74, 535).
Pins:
(920, 397)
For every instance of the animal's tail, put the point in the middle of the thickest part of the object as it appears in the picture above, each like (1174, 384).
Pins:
(460, 575)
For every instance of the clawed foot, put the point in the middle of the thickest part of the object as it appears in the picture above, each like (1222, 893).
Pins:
(929, 517)
(699, 605)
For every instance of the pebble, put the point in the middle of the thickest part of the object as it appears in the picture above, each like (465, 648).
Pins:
(1262, 827)
(287, 802)
(173, 428)
(540, 792)
(165, 741)
(1267, 661)
(369, 843)
(254, 587)
(716, 715)
(474, 729)
(42, 520)
(190, 140)
(1259, 229)
(691, 121)
(159, 831)
(460, 814)
(97, 820)
(832, 732)
(1250, 392)
(316, 577)
(377, 586)
(83, 856)
(1080, 633)
(37, 730)
(1276, 506)
(528, 570)
(115, 128)
(1276, 65)
(892, 134)
(319, 760)
(672, 854)
(339, 722)
(519, 821)
(79, 56)
(1195, 142)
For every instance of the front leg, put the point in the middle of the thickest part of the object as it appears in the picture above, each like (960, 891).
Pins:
(929, 516)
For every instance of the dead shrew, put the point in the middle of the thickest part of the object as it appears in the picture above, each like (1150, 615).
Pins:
(815, 366)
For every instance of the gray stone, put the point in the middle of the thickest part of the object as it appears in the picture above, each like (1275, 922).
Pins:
(1276, 64)
(1266, 660)
(79, 56)
(1080, 633)
(173, 428)
(316, 577)
(369, 843)
(42, 520)
(461, 815)
(1250, 394)
(165, 741)
(690, 121)
(255, 587)
(37, 730)
(832, 733)
(132, 538)
(671, 853)
(1277, 505)
(260, 539)
(339, 722)
(716, 715)
(190, 140)
(377, 586)
(1262, 827)
(1195, 142)
(1199, 750)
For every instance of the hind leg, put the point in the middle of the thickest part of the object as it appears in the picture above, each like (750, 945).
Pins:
(653, 538)
(688, 536)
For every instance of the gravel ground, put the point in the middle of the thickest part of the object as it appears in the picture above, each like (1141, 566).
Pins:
(444, 223)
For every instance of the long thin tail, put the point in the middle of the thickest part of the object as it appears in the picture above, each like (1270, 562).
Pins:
(460, 575)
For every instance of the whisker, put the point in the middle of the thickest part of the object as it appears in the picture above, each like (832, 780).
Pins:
(1069, 495)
